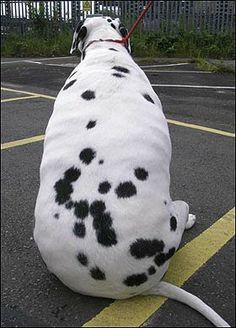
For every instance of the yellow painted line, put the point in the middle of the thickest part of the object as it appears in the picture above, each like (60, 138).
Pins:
(202, 128)
(198, 127)
(188, 125)
(18, 98)
(133, 312)
(29, 93)
(21, 142)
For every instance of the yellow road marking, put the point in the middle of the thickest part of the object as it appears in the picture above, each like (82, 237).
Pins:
(21, 142)
(203, 128)
(192, 126)
(29, 93)
(188, 125)
(18, 98)
(133, 312)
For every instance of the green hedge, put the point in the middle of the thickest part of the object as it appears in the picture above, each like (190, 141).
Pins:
(144, 44)
(184, 44)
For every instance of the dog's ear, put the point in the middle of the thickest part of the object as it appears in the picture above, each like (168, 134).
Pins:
(123, 30)
(79, 34)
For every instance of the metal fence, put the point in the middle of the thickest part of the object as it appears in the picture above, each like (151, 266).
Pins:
(167, 16)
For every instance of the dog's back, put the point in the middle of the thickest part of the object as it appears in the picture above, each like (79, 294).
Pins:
(103, 210)
(104, 221)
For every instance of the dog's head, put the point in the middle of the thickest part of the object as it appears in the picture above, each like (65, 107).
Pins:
(95, 28)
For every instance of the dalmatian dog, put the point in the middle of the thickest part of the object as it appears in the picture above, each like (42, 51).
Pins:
(105, 223)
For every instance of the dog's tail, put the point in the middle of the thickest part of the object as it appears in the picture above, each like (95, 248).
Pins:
(168, 290)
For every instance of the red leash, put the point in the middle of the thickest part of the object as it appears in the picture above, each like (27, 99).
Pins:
(150, 2)
(125, 39)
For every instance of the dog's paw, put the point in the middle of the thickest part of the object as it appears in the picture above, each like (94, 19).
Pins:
(191, 221)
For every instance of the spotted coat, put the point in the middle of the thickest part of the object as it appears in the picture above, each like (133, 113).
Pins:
(104, 220)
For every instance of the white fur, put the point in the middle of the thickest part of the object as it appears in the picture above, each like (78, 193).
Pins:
(130, 132)
(178, 294)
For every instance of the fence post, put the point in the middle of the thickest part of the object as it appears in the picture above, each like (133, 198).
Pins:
(8, 8)
(58, 6)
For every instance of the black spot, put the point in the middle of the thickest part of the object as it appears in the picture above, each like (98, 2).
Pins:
(98, 207)
(109, 20)
(135, 279)
(163, 257)
(81, 209)
(126, 189)
(72, 74)
(106, 237)
(69, 205)
(102, 221)
(72, 174)
(75, 44)
(56, 216)
(146, 247)
(170, 253)
(123, 30)
(127, 47)
(82, 259)
(113, 49)
(118, 75)
(141, 174)
(148, 98)
(151, 270)
(112, 25)
(79, 229)
(87, 155)
(121, 69)
(69, 84)
(88, 95)
(101, 161)
(160, 259)
(104, 187)
(165, 202)
(173, 223)
(97, 274)
(91, 124)
(82, 32)
(83, 55)
(63, 189)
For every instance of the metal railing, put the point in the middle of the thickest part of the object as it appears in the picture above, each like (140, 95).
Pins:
(167, 16)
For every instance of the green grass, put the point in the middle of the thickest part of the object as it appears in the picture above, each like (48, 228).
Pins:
(144, 44)
(205, 65)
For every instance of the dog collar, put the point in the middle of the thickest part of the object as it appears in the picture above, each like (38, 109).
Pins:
(123, 40)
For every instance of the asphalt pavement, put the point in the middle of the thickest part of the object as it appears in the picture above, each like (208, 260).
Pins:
(202, 174)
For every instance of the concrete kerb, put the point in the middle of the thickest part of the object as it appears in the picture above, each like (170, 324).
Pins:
(226, 63)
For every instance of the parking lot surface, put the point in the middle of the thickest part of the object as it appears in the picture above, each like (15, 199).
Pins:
(199, 107)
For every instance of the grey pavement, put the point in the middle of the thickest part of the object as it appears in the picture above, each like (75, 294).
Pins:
(202, 174)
